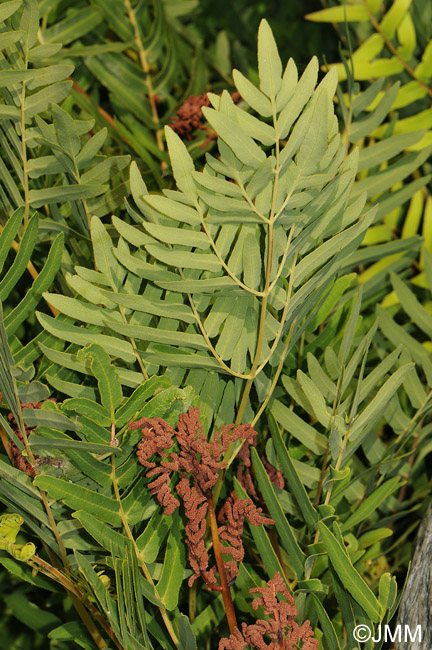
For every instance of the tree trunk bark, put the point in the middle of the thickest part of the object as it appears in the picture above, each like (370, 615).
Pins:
(416, 604)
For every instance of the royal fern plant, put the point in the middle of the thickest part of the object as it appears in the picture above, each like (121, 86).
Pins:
(189, 320)
(219, 277)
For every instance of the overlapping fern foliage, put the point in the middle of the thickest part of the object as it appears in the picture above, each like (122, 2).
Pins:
(145, 59)
(390, 41)
(230, 297)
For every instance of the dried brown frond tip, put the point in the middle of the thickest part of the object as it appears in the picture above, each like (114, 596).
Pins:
(280, 631)
(275, 476)
(18, 460)
(244, 473)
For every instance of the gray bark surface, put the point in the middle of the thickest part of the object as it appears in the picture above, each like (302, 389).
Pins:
(416, 604)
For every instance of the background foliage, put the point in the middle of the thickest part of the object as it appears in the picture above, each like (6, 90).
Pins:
(269, 264)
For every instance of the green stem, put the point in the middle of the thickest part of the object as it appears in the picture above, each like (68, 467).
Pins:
(211, 348)
(143, 566)
(283, 318)
(234, 448)
(336, 403)
(225, 266)
(338, 462)
(270, 237)
(263, 313)
(276, 376)
(330, 490)
(146, 69)
(24, 155)
(80, 603)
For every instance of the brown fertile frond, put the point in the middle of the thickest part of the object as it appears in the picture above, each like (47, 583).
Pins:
(18, 460)
(196, 507)
(244, 474)
(236, 641)
(243, 432)
(281, 630)
(199, 457)
(244, 477)
(254, 514)
(282, 616)
(199, 460)
(160, 488)
(233, 515)
(189, 117)
(157, 437)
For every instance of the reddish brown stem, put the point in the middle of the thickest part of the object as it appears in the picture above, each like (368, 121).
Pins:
(226, 593)
(212, 587)
(104, 114)
(274, 542)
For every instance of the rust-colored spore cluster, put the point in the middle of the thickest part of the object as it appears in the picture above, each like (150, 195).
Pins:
(279, 631)
(198, 462)
(232, 516)
(197, 457)
(157, 437)
(189, 117)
